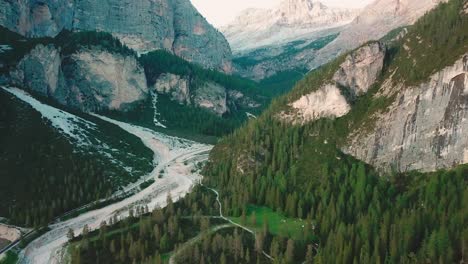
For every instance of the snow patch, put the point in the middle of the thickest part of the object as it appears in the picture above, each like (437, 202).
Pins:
(83, 134)
(154, 100)
(5, 48)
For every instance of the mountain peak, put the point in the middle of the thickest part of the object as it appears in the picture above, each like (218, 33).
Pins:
(301, 5)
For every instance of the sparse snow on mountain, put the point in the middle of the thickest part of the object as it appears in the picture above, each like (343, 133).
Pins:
(291, 20)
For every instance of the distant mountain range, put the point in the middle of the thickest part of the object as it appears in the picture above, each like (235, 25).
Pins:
(266, 42)
(291, 20)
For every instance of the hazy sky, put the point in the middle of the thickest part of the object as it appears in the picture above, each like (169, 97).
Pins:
(221, 12)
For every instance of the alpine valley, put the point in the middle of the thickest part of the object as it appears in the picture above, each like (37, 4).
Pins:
(134, 131)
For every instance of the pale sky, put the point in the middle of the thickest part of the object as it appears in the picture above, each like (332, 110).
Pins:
(221, 12)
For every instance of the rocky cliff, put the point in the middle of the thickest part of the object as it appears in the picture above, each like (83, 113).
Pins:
(208, 94)
(90, 79)
(143, 25)
(355, 75)
(373, 23)
(424, 129)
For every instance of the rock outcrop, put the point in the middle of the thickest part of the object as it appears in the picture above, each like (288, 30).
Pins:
(211, 96)
(361, 68)
(40, 70)
(98, 79)
(424, 129)
(88, 80)
(355, 76)
(143, 25)
(326, 102)
(177, 87)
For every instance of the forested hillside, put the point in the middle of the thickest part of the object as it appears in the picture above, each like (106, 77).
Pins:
(41, 174)
(358, 214)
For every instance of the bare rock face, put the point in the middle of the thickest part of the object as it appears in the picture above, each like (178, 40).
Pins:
(356, 74)
(99, 79)
(212, 97)
(40, 70)
(143, 25)
(325, 102)
(176, 86)
(361, 68)
(424, 129)
(89, 80)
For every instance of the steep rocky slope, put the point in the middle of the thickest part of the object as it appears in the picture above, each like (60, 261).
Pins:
(424, 128)
(143, 25)
(373, 23)
(90, 80)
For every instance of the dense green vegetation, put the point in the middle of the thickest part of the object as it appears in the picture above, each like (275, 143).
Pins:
(434, 42)
(257, 218)
(281, 82)
(42, 175)
(357, 214)
(146, 237)
(232, 245)
(10, 258)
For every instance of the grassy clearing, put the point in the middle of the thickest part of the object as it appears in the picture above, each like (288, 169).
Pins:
(277, 222)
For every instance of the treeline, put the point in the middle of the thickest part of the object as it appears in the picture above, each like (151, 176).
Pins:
(71, 42)
(41, 176)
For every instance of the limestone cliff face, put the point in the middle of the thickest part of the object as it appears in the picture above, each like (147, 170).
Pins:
(355, 75)
(143, 25)
(88, 80)
(99, 79)
(40, 70)
(211, 96)
(361, 68)
(424, 129)
(174, 85)
(208, 95)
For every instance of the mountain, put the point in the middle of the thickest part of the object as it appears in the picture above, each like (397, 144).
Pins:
(374, 22)
(291, 20)
(94, 72)
(321, 44)
(143, 25)
(270, 41)
(365, 148)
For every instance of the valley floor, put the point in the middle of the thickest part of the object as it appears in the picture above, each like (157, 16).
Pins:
(175, 173)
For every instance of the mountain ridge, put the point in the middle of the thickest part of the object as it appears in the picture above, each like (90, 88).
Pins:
(143, 25)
